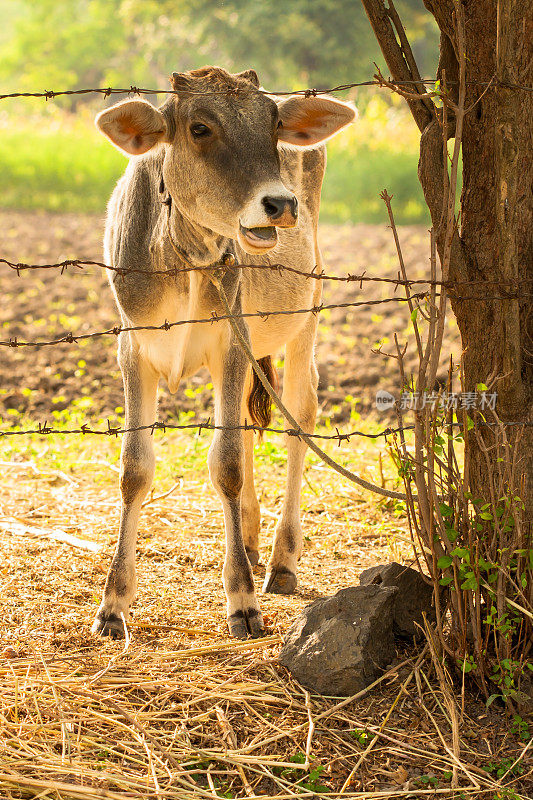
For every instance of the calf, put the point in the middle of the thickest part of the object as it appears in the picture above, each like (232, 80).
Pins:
(219, 170)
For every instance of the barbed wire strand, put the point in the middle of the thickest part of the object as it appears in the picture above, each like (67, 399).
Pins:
(44, 429)
(51, 94)
(70, 338)
(63, 266)
(85, 429)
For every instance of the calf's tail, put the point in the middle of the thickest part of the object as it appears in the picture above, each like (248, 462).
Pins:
(259, 402)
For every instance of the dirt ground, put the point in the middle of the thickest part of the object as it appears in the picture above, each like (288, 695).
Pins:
(41, 305)
(179, 710)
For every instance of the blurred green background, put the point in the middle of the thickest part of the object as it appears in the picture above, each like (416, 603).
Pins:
(51, 156)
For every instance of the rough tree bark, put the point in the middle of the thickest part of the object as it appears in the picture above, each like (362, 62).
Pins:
(495, 241)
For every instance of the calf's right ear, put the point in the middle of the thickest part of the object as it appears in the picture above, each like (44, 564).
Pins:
(134, 126)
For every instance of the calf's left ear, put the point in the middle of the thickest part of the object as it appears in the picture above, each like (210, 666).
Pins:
(134, 126)
(307, 121)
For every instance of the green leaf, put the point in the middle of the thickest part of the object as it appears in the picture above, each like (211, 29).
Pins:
(452, 534)
(470, 583)
(444, 562)
(446, 580)
(414, 313)
(461, 552)
(298, 758)
(445, 510)
(314, 787)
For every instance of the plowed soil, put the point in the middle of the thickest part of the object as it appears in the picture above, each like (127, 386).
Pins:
(39, 305)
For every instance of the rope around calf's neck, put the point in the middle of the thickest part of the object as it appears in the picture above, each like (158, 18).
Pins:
(287, 414)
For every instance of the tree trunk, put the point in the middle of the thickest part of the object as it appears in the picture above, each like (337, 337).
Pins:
(495, 241)
(497, 222)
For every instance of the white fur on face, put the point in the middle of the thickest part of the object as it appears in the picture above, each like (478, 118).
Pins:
(254, 214)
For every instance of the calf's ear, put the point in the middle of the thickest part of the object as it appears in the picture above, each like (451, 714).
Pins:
(249, 75)
(307, 121)
(134, 126)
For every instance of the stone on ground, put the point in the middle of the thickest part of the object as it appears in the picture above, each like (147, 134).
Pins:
(339, 645)
(413, 600)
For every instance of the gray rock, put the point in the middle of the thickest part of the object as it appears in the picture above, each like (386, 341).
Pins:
(414, 598)
(339, 645)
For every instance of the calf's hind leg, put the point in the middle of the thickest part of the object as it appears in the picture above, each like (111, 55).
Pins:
(300, 383)
(136, 474)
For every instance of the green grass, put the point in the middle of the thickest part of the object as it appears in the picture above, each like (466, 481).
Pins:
(57, 168)
(61, 163)
(186, 448)
(355, 179)
(380, 151)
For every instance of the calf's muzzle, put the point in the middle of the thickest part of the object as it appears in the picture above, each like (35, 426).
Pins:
(281, 211)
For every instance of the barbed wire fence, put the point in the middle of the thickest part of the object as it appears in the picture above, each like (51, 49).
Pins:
(504, 291)
(378, 80)
(113, 430)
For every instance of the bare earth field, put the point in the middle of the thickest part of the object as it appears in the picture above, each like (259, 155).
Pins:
(44, 305)
(179, 710)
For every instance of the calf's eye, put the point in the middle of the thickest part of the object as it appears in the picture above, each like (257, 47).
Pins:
(199, 130)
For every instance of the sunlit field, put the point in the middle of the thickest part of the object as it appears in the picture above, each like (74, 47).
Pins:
(57, 161)
(430, 690)
(179, 710)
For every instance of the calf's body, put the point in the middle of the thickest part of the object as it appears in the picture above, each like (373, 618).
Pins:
(166, 215)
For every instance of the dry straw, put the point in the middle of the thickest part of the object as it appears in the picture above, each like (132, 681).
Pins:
(214, 720)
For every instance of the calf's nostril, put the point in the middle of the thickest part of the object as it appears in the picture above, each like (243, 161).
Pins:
(275, 207)
(293, 204)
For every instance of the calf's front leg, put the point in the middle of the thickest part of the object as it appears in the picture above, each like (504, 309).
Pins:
(300, 383)
(136, 474)
(226, 468)
(250, 510)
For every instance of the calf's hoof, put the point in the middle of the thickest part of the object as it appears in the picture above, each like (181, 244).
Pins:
(108, 625)
(243, 624)
(253, 557)
(279, 580)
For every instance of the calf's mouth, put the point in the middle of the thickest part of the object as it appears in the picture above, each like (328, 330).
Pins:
(258, 240)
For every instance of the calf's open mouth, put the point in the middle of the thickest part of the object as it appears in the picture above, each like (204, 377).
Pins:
(258, 238)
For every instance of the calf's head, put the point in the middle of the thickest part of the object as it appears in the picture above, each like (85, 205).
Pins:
(221, 136)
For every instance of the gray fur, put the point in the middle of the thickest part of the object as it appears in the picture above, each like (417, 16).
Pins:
(212, 187)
